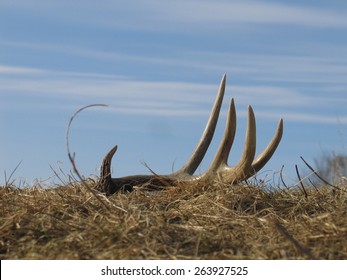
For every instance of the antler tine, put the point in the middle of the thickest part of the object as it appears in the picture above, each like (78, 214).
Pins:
(267, 153)
(241, 170)
(227, 141)
(105, 181)
(200, 150)
(245, 168)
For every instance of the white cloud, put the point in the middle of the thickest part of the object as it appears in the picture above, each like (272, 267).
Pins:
(159, 98)
(302, 117)
(19, 70)
(212, 12)
(320, 68)
(199, 15)
(181, 14)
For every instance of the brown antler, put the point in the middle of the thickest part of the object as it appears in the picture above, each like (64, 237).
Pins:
(219, 168)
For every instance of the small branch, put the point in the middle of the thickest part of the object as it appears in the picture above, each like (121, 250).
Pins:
(7, 181)
(281, 177)
(57, 175)
(316, 188)
(315, 172)
(72, 156)
(300, 180)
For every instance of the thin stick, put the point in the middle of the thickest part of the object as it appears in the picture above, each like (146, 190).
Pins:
(313, 184)
(300, 181)
(315, 172)
(281, 177)
(72, 157)
(7, 181)
(57, 175)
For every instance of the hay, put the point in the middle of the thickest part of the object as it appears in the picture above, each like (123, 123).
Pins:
(186, 222)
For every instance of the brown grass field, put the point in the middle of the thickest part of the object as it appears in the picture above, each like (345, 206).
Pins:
(182, 222)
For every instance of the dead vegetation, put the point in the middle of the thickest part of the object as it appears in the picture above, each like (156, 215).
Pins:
(186, 222)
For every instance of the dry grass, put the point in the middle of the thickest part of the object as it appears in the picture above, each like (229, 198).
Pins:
(185, 222)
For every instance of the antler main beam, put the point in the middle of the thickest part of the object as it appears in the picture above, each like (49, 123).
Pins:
(218, 170)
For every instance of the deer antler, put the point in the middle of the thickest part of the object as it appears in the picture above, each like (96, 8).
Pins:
(219, 169)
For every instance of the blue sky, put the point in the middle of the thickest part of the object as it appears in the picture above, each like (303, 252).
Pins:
(158, 64)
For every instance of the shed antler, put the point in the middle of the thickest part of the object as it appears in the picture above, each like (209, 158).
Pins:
(219, 169)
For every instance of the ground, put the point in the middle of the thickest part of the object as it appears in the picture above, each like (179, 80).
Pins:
(189, 221)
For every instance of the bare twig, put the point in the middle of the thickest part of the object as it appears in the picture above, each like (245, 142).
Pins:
(300, 180)
(57, 175)
(72, 157)
(7, 181)
(281, 177)
(315, 172)
(316, 188)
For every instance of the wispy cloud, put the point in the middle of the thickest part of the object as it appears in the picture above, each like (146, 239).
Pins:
(19, 70)
(320, 68)
(181, 14)
(216, 12)
(159, 98)
(304, 68)
(302, 117)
